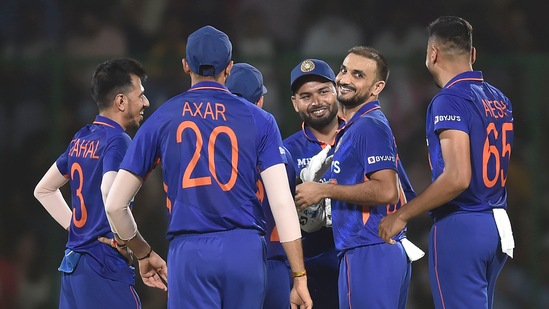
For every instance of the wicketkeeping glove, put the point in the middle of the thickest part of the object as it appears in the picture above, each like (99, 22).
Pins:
(318, 165)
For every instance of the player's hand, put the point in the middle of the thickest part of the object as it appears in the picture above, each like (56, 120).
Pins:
(154, 271)
(390, 226)
(299, 296)
(308, 193)
(318, 165)
(122, 248)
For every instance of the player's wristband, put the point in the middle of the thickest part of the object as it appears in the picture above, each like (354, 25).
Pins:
(297, 274)
(146, 256)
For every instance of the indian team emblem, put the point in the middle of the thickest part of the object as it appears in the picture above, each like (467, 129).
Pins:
(307, 66)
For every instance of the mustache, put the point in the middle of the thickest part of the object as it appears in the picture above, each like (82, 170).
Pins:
(346, 86)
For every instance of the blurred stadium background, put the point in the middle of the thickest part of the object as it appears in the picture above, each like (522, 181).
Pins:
(49, 49)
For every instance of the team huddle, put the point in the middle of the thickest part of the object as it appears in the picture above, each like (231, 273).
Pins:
(257, 221)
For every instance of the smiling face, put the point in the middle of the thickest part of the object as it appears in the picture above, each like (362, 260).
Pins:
(315, 101)
(357, 81)
(136, 104)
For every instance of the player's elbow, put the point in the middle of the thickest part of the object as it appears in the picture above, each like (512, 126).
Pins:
(40, 191)
(387, 195)
(391, 196)
(462, 183)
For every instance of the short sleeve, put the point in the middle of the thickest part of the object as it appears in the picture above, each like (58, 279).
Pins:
(448, 112)
(116, 149)
(270, 149)
(375, 146)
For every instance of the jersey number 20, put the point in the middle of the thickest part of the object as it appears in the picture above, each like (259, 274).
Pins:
(189, 182)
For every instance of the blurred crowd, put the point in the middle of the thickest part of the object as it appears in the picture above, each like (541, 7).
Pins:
(49, 49)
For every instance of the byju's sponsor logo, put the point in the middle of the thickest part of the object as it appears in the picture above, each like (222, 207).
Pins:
(439, 118)
(375, 159)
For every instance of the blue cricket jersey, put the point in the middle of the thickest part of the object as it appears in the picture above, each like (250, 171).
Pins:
(469, 104)
(94, 150)
(211, 144)
(303, 145)
(366, 146)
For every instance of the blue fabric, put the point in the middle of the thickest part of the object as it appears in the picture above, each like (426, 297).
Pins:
(208, 46)
(277, 293)
(246, 81)
(217, 270)
(465, 259)
(70, 261)
(375, 276)
(85, 288)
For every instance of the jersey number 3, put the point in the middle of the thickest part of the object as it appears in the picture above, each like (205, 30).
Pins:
(189, 182)
(492, 152)
(75, 167)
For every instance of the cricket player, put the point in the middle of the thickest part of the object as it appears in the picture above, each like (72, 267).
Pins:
(96, 270)
(247, 81)
(469, 127)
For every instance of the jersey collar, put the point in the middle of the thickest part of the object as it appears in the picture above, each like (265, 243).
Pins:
(365, 109)
(472, 76)
(310, 135)
(104, 121)
(209, 85)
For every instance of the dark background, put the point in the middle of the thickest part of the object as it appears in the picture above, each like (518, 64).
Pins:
(49, 49)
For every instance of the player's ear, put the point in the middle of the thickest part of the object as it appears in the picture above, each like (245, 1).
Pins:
(473, 55)
(378, 87)
(229, 68)
(260, 102)
(120, 102)
(186, 67)
(294, 102)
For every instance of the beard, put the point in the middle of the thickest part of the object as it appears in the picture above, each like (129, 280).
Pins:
(352, 101)
(318, 123)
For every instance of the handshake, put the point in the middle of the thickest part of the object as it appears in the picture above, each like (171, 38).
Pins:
(316, 216)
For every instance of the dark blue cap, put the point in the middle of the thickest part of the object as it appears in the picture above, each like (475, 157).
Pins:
(246, 81)
(311, 67)
(208, 46)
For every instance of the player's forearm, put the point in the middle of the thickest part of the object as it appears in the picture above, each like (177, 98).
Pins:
(139, 246)
(294, 253)
(123, 189)
(371, 193)
(48, 194)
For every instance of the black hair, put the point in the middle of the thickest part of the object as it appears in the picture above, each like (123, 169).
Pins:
(113, 77)
(373, 54)
(455, 33)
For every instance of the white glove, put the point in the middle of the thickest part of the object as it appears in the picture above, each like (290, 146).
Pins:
(318, 165)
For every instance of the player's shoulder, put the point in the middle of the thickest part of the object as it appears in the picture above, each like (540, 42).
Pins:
(296, 140)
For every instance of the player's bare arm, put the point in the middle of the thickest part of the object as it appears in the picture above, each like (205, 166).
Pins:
(381, 188)
(454, 179)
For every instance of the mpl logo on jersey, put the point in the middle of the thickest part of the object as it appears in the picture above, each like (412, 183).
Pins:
(375, 159)
(303, 162)
(439, 118)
